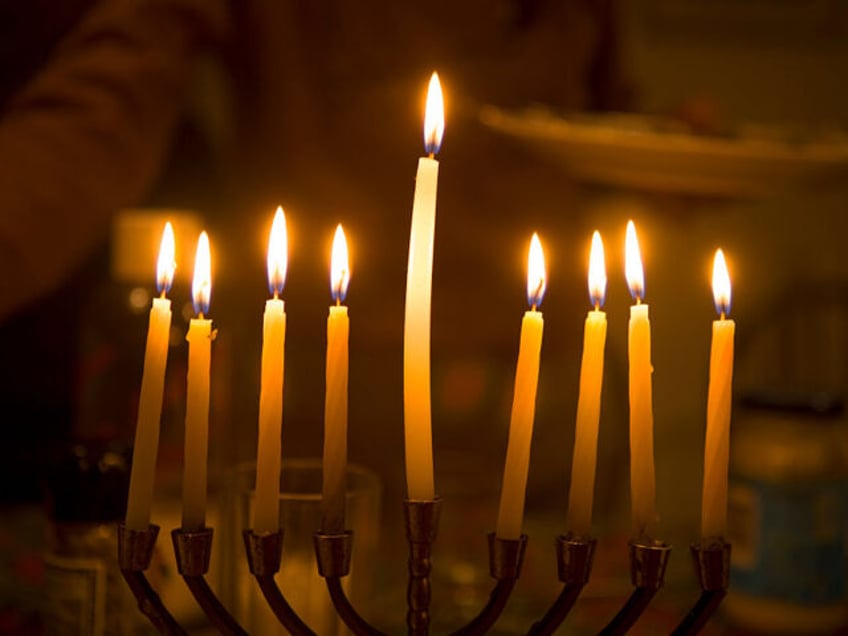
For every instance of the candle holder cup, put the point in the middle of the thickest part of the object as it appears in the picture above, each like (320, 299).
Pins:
(712, 569)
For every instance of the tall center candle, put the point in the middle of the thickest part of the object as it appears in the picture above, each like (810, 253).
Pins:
(581, 494)
(513, 490)
(143, 471)
(269, 452)
(196, 449)
(335, 397)
(719, 397)
(418, 437)
(642, 479)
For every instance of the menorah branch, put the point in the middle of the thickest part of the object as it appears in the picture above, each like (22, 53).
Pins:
(574, 566)
(264, 552)
(332, 553)
(647, 571)
(193, 550)
(712, 568)
(135, 550)
(505, 559)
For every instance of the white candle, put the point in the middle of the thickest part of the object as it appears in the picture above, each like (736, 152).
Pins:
(269, 451)
(581, 494)
(714, 500)
(199, 338)
(142, 475)
(335, 397)
(511, 508)
(642, 480)
(418, 436)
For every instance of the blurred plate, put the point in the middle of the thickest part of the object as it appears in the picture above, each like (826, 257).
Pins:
(663, 155)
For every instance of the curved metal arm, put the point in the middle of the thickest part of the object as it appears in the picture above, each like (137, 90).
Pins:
(647, 570)
(135, 550)
(574, 565)
(332, 552)
(264, 552)
(712, 567)
(193, 550)
(505, 559)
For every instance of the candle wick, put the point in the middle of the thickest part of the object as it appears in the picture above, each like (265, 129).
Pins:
(162, 294)
(638, 300)
(338, 301)
(200, 315)
(533, 307)
(722, 315)
(432, 155)
(276, 295)
(597, 305)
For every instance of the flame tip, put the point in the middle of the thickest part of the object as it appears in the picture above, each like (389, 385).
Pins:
(277, 258)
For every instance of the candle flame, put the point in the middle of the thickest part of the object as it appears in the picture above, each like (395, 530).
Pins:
(434, 116)
(536, 277)
(278, 253)
(201, 286)
(339, 266)
(597, 272)
(721, 284)
(166, 265)
(633, 263)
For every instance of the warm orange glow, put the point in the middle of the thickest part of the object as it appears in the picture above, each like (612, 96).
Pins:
(339, 266)
(597, 272)
(721, 284)
(633, 264)
(278, 254)
(536, 276)
(201, 286)
(166, 264)
(434, 116)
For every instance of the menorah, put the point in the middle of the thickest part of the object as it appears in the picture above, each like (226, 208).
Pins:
(264, 551)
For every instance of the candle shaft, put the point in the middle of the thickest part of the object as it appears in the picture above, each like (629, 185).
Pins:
(581, 494)
(149, 414)
(418, 438)
(511, 508)
(196, 424)
(335, 421)
(714, 501)
(269, 452)
(642, 479)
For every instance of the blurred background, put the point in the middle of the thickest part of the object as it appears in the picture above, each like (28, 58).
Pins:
(709, 124)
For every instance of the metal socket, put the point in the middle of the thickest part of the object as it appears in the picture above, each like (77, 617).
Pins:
(264, 551)
(193, 549)
(712, 565)
(332, 552)
(574, 559)
(135, 547)
(422, 519)
(506, 556)
(648, 563)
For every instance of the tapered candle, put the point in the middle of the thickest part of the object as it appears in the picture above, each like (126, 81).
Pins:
(418, 437)
(714, 501)
(152, 387)
(199, 338)
(269, 453)
(581, 494)
(642, 480)
(335, 397)
(513, 490)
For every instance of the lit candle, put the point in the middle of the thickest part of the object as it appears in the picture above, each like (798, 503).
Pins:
(335, 398)
(579, 519)
(418, 438)
(642, 480)
(714, 502)
(511, 508)
(199, 338)
(152, 387)
(266, 516)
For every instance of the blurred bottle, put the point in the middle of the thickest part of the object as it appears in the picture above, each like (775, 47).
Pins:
(86, 498)
(788, 516)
